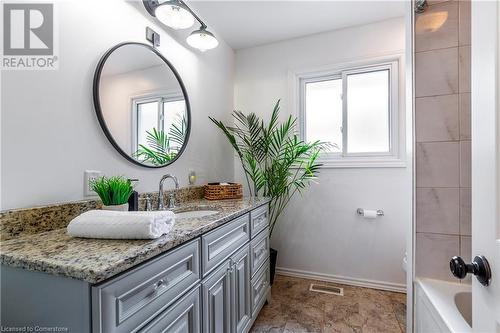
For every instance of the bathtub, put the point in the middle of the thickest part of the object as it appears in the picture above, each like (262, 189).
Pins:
(442, 306)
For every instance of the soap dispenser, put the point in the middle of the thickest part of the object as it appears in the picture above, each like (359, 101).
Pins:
(133, 200)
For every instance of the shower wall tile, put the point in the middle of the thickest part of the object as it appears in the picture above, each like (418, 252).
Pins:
(464, 22)
(436, 118)
(465, 116)
(466, 248)
(465, 164)
(438, 164)
(428, 37)
(436, 72)
(443, 136)
(438, 210)
(434, 253)
(433, 2)
(464, 68)
(465, 211)
(466, 254)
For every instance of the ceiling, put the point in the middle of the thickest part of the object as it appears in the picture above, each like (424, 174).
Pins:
(243, 24)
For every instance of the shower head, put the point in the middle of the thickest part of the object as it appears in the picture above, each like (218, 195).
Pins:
(420, 6)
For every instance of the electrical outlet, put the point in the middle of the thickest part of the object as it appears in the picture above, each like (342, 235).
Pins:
(90, 175)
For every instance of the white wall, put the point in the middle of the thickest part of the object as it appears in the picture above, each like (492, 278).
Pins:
(49, 130)
(320, 232)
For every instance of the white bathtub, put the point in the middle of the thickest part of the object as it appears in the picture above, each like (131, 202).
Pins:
(443, 307)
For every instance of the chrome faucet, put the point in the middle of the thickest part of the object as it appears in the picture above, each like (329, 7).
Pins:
(171, 198)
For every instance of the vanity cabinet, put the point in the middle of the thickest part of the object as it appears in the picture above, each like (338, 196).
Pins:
(215, 282)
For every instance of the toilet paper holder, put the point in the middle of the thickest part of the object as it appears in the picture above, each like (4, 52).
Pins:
(361, 212)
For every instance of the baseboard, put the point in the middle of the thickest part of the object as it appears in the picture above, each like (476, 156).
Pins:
(389, 286)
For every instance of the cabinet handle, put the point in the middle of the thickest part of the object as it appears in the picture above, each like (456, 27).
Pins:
(258, 253)
(157, 285)
(231, 265)
(260, 219)
(259, 286)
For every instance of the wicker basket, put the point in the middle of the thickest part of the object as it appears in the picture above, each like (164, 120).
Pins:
(221, 192)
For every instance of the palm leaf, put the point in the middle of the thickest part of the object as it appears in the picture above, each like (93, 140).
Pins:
(158, 150)
(178, 131)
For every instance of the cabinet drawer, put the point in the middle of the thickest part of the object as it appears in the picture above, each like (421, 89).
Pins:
(260, 287)
(219, 244)
(183, 316)
(125, 303)
(259, 248)
(259, 220)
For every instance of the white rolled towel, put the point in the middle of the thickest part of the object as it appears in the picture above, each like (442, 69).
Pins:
(121, 225)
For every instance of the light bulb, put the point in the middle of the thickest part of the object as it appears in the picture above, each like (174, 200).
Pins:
(202, 40)
(174, 15)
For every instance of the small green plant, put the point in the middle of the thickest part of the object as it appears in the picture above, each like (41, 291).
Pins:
(114, 190)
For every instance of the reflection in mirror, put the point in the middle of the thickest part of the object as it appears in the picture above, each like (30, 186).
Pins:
(143, 105)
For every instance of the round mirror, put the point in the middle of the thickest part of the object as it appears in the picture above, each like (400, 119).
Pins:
(142, 105)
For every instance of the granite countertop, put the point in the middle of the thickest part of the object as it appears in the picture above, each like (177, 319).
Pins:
(95, 260)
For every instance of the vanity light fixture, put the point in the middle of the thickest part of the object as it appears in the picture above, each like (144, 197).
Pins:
(202, 39)
(174, 14)
(177, 15)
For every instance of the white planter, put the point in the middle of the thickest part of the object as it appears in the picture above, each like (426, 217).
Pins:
(118, 208)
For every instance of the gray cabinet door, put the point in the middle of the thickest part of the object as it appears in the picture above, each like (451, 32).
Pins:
(240, 274)
(216, 294)
(181, 317)
(260, 288)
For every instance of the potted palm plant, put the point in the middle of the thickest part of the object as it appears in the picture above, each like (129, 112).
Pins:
(113, 191)
(276, 162)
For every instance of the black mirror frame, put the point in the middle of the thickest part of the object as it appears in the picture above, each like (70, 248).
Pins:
(98, 110)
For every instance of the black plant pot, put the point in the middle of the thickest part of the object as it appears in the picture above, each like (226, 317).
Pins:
(272, 257)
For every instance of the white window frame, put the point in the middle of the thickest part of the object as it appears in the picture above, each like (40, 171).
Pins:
(395, 157)
(159, 98)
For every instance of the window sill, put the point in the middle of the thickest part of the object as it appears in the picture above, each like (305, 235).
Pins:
(362, 163)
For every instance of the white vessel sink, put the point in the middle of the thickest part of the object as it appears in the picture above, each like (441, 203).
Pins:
(193, 214)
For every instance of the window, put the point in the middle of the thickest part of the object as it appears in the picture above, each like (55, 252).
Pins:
(157, 112)
(354, 109)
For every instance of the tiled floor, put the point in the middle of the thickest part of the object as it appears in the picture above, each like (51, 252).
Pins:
(295, 309)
